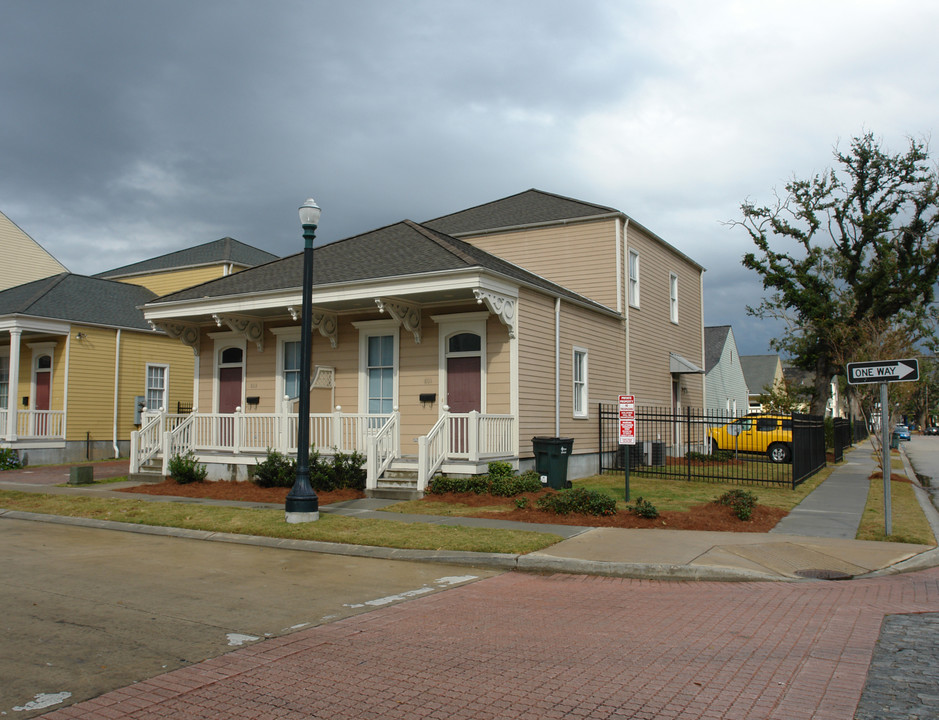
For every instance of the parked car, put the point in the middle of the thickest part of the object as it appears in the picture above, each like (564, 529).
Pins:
(755, 433)
(931, 430)
(902, 432)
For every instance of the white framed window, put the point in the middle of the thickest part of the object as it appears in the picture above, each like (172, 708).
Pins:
(288, 363)
(579, 373)
(673, 297)
(634, 278)
(157, 384)
(378, 366)
(4, 381)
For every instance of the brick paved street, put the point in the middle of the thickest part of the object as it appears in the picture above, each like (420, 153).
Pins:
(527, 646)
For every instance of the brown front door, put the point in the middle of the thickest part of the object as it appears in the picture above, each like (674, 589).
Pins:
(229, 398)
(463, 386)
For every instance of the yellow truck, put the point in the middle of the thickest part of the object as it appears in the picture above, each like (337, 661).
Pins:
(755, 433)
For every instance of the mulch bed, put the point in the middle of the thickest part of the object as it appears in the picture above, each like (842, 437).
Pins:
(709, 516)
(233, 490)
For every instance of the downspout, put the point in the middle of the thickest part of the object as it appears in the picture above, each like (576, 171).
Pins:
(117, 377)
(626, 295)
(557, 366)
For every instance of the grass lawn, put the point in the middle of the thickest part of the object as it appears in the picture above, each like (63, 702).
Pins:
(908, 522)
(270, 523)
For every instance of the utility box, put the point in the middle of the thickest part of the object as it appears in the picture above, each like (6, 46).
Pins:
(551, 455)
(81, 475)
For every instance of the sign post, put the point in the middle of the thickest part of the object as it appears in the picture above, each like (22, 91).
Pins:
(627, 431)
(883, 372)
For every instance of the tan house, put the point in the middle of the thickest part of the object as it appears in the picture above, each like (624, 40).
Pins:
(24, 260)
(78, 362)
(432, 353)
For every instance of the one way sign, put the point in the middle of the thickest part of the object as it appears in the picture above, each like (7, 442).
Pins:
(882, 371)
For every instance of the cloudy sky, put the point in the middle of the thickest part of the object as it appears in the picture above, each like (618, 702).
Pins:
(132, 129)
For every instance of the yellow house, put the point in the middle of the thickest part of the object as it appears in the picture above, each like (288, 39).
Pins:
(24, 259)
(79, 364)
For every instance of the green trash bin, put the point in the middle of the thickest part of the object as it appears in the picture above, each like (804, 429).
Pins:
(551, 454)
(894, 441)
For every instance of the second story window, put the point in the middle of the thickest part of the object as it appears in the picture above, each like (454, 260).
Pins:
(673, 297)
(634, 278)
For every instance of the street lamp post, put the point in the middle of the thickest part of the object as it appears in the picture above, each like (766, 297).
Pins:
(302, 504)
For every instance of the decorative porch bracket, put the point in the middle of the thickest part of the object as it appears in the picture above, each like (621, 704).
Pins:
(184, 332)
(326, 322)
(252, 328)
(502, 306)
(404, 314)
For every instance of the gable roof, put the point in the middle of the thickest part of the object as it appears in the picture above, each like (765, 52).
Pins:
(533, 208)
(715, 338)
(530, 207)
(78, 298)
(759, 371)
(225, 250)
(24, 259)
(403, 249)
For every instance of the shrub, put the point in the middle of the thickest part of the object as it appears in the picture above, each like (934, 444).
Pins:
(478, 484)
(276, 470)
(501, 484)
(644, 508)
(500, 470)
(9, 459)
(578, 500)
(521, 503)
(741, 502)
(184, 469)
(346, 471)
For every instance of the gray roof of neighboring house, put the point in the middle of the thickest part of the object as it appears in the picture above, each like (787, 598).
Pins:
(80, 299)
(715, 338)
(226, 250)
(402, 249)
(759, 371)
(525, 208)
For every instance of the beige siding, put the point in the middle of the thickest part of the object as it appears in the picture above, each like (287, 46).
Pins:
(579, 256)
(24, 259)
(536, 368)
(652, 335)
(163, 283)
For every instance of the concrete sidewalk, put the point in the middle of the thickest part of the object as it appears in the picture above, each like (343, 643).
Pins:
(814, 542)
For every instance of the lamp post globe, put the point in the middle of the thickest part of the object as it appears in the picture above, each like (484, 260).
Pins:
(302, 504)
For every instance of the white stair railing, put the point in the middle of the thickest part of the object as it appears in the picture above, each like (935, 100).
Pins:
(432, 449)
(381, 450)
(146, 442)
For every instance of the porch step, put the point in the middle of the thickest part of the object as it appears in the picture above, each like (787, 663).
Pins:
(398, 484)
(399, 494)
(145, 476)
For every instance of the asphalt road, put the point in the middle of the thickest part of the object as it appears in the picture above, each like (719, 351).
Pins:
(923, 452)
(86, 611)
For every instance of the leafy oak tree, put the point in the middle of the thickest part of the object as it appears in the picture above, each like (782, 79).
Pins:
(855, 244)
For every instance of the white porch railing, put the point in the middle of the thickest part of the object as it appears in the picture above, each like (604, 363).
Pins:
(37, 424)
(146, 442)
(381, 449)
(469, 436)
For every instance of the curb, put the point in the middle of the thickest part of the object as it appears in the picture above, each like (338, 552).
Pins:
(532, 563)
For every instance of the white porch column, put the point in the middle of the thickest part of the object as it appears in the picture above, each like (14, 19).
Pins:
(14, 382)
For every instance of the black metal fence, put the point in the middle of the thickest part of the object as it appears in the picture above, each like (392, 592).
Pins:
(846, 433)
(716, 447)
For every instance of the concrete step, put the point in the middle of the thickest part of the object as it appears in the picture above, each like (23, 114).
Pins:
(146, 477)
(400, 494)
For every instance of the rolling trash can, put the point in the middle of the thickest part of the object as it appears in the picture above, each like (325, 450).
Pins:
(551, 454)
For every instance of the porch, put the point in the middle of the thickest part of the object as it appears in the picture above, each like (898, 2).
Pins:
(458, 443)
(31, 426)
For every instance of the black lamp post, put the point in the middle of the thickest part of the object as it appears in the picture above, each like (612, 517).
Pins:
(302, 504)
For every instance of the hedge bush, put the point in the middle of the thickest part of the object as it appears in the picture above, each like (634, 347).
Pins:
(9, 459)
(276, 470)
(741, 502)
(500, 482)
(342, 471)
(184, 469)
(578, 500)
(644, 508)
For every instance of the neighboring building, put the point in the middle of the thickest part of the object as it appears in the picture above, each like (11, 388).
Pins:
(762, 372)
(432, 352)
(24, 260)
(803, 381)
(75, 356)
(191, 266)
(724, 381)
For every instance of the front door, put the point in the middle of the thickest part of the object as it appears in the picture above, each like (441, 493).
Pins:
(43, 394)
(229, 399)
(463, 396)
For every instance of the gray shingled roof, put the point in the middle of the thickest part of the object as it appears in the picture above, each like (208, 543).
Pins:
(526, 208)
(759, 371)
(402, 249)
(226, 250)
(78, 298)
(715, 338)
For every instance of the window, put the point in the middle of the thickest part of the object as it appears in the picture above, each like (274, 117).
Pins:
(580, 382)
(4, 382)
(156, 386)
(634, 278)
(673, 297)
(380, 373)
(291, 369)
